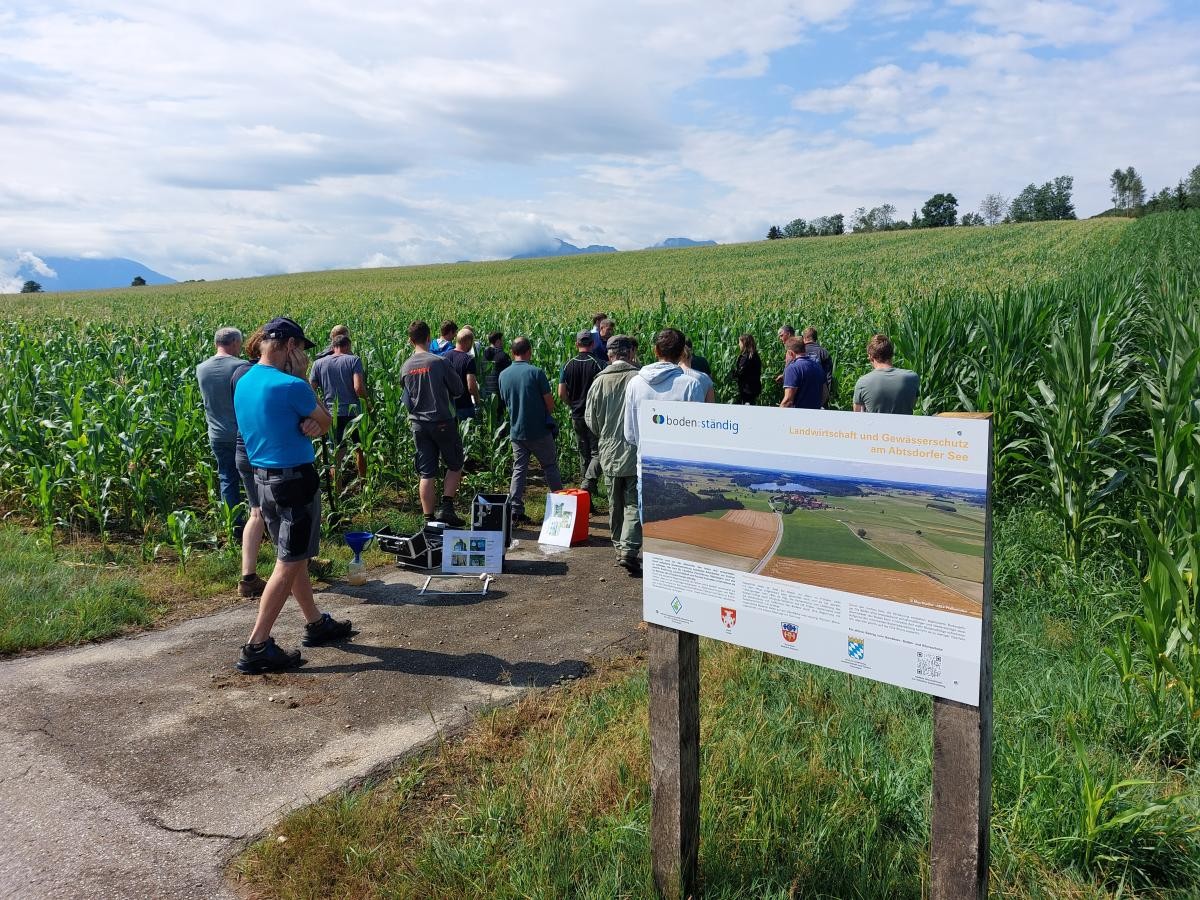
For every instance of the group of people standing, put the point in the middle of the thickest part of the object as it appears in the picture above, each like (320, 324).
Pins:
(262, 419)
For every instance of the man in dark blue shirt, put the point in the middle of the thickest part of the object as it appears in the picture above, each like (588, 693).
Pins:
(803, 379)
(574, 381)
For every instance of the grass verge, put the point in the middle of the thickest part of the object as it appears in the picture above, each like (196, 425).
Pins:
(47, 600)
(814, 784)
(81, 590)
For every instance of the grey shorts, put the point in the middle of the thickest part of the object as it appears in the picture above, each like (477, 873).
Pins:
(291, 507)
(249, 485)
(434, 440)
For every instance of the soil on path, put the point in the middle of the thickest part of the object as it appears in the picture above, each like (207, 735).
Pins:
(138, 767)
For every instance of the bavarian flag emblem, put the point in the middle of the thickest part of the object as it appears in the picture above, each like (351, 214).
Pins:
(855, 647)
(790, 632)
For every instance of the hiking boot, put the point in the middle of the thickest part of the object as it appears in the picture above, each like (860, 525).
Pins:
(252, 588)
(448, 515)
(267, 657)
(326, 630)
(632, 566)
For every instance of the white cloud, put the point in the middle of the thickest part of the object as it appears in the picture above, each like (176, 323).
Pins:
(270, 137)
(1062, 22)
(25, 259)
(999, 117)
(16, 270)
(213, 140)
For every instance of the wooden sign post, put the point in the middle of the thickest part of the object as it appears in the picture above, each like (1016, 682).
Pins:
(962, 762)
(674, 760)
(962, 750)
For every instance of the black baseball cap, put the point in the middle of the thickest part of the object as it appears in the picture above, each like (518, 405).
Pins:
(282, 328)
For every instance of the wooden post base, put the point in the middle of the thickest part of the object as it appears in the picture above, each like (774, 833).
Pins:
(674, 659)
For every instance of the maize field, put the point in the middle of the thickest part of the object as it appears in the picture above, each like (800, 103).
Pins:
(1081, 338)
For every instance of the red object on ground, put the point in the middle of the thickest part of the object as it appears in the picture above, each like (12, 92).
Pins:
(583, 511)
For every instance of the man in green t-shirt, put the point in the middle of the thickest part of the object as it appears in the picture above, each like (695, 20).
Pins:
(525, 390)
(885, 389)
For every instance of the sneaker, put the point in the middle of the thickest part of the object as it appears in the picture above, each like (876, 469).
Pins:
(267, 657)
(449, 516)
(252, 588)
(325, 630)
(632, 566)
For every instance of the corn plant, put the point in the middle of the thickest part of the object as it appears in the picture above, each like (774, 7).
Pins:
(181, 526)
(1075, 458)
(228, 519)
(1111, 824)
(1171, 401)
(1157, 651)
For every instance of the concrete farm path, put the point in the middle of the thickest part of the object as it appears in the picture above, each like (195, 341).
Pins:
(140, 766)
(770, 554)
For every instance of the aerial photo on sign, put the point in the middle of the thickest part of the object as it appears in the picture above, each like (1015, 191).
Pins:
(921, 544)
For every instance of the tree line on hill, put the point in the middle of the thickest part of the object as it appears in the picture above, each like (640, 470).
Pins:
(1129, 194)
(1035, 203)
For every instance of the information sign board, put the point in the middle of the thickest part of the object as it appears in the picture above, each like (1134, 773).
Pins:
(472, 552)
(849, 540)
(558, 523)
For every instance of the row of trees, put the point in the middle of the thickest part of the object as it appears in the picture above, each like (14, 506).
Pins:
(1035, 203)
(822, 226)
(1129, 193)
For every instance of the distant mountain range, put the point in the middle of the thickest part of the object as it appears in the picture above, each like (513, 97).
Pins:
(562, 248)
(88, 274)
(671, 243)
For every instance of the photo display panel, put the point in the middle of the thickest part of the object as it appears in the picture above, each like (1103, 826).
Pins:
(853, 541)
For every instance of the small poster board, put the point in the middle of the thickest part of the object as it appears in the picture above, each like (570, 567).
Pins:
(472, 552)
(559, 522)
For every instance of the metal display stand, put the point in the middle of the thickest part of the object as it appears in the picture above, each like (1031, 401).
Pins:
(485, 579)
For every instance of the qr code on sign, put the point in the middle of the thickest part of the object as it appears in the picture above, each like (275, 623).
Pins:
(929, 666)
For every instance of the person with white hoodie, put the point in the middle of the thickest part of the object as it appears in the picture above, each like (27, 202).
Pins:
(663, 379)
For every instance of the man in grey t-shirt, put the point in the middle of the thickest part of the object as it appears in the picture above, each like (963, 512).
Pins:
(430, 386)
(340, 381)
(885, 389)
(216, 392)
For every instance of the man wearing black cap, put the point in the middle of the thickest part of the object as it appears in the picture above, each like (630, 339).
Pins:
(574, 381)
(278, 414)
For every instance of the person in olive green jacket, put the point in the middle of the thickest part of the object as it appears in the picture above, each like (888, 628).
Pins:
(605, 416)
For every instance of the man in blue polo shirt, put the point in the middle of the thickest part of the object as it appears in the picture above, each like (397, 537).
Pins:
(278, 414)
(803, 379)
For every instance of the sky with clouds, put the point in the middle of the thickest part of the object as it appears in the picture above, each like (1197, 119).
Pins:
(225, 140)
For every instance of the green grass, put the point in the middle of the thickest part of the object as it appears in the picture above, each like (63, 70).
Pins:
(45, 600)
(83, 591)
(814, 535)
(814, 783)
